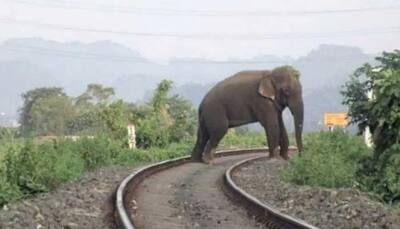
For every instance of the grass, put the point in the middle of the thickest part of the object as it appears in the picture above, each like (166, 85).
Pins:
(243, 140)
(330, 159)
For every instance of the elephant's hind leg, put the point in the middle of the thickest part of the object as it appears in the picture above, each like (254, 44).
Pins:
(216, 135)
(202, 139)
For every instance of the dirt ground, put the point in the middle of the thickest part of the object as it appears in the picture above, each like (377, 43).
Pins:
(321, 207)
(83, 203)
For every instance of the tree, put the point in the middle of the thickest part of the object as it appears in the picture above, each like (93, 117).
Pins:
(184, 116)
(89, 106)
(38, 108)
(49, 115)
(380, 173)
(160, 96)
(94, 94)
(164, 119)
(114, 119)
(382, 113)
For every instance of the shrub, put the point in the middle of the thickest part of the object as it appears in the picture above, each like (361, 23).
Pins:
(8, 192)
(330, 159)
(243, 139)
(153, 131)
(382, 175)
(8, 133)
(38, 168)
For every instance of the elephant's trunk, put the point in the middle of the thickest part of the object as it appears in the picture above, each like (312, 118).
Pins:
(297, 110)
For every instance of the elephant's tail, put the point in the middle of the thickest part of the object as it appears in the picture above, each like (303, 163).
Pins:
(202, 139)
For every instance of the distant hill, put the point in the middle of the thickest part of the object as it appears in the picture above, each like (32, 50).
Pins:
(14, 81)
(32, 62)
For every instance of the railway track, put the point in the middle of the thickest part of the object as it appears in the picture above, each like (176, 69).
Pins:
(180, 194)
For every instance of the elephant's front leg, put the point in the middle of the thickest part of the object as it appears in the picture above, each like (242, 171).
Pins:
(284, 140)
(272, 129)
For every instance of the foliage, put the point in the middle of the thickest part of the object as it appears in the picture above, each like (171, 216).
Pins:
(381, 114)
(160, 96)
(48, 115)
(95, 94)
(114, 119)
(37, 106)
(39, 167)
(330, 159)
(8, 133)
(165, 127)
(185, 119)
(165, 119)
(240, 137)
(162, 120)
(173, 150)
(153, 131)
(83, 123)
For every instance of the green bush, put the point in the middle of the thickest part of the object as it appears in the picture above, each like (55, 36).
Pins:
(330, 159)
(153, 131)
(41, 167)
(382, 175)
(242, 138)
(8, 192)
(8, 133)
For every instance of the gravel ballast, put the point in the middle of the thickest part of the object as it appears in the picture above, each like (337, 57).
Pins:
(321, 207)
(84, 203)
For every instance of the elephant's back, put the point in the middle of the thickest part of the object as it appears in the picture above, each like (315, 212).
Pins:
(241, 79)
(237, 87)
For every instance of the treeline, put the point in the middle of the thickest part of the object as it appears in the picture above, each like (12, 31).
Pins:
(30, 163)
(159, 121)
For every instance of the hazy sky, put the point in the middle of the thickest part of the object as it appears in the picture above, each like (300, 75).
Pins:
(161, 29)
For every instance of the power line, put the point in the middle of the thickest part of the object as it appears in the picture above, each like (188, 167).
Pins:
(189, 12)
(98, 56)
(80, 54)
(355, 32)
(132, 59)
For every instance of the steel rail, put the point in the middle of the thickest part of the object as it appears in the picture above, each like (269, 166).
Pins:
(131, 182)
(262, 212)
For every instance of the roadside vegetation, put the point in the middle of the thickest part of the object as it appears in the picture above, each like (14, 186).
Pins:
(339, 160)
(243, 137)
(61, 137)
(330, 159)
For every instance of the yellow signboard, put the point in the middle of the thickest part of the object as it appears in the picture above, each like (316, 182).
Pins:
(335, 119)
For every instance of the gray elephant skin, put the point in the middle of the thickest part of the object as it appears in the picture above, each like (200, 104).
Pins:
(248, 97)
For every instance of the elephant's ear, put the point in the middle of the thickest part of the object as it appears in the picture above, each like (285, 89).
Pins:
(266, 88)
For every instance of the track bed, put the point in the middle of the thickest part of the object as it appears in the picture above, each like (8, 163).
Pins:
(190, 196)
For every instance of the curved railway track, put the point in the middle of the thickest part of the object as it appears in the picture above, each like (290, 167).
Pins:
(180, 194)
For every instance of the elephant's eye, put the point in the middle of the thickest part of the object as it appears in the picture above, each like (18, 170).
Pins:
(286, 91)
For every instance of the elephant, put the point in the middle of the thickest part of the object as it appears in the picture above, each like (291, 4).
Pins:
(248, 97)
